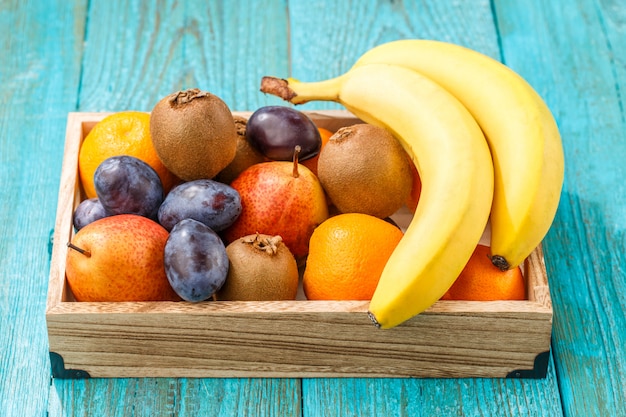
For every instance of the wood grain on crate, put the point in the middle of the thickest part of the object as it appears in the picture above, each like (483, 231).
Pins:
(284, 338)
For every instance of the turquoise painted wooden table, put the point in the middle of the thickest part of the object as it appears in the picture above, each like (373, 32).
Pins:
(62, 56)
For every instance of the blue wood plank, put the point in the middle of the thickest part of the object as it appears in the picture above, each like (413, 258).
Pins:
(363, 397)
(327, 37)
(138, 52)
(175, 397)
(135, 53)
(40, 51)
(342, 33)
(575, 59)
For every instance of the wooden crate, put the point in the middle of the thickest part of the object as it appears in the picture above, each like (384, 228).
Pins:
(283, 338)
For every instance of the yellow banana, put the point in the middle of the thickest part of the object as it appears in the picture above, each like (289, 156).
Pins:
(452, 157)
(521, 132)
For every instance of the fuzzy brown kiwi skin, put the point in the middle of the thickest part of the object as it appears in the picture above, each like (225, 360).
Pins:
(193, 133)
(246, 154)
(348, 169)
(261, 269)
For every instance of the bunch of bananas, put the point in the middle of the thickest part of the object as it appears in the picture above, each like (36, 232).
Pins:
(485, 145)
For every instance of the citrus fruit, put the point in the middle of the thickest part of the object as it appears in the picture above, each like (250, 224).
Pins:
(123, 133)
(311, 163)
(480, 280)
(347, 254)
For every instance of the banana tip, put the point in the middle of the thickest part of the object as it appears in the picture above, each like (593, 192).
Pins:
(500, 262)
(373, 319)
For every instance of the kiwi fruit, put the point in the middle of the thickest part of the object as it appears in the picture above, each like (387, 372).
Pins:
(245, 156)
(193, 133)
(261, 269)
(364, 169)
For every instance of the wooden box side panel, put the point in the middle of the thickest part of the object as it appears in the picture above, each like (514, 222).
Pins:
(67, 201)
(298, 344)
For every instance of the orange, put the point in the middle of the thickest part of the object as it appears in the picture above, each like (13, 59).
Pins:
(311, 163)
(123, 133)
(347, 254)
(480, 280)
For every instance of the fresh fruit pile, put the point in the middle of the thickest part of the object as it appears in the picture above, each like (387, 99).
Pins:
(486, 148)
(239, 226)
(253, 200)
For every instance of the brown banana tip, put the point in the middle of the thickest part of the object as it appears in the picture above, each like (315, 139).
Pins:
(373, 319)
(500, 262)
(278, 87)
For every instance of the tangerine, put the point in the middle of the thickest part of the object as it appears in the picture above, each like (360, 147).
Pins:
(480, 280)
(122, 133)
(347, 255)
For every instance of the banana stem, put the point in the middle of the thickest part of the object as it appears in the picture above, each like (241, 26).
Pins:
(297, 92)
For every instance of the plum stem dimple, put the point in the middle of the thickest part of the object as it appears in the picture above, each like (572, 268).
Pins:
(79, 250)
(296, 153)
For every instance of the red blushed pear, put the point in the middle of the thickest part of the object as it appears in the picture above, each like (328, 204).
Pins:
(280, 198)
(119, 258)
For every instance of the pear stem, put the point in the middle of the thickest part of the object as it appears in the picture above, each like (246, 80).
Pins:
(296, 153)
(79, 250)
